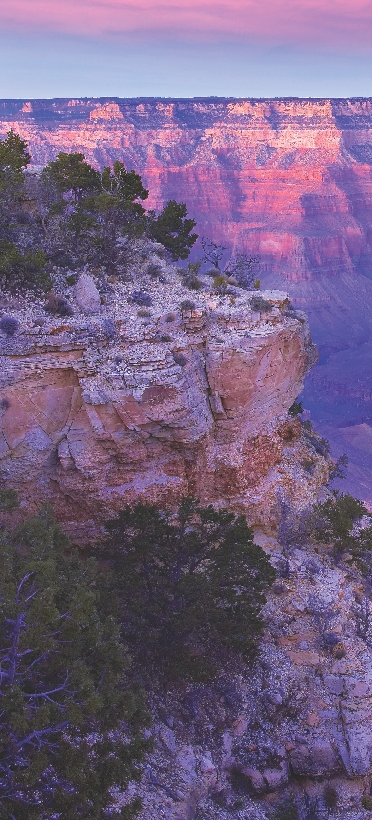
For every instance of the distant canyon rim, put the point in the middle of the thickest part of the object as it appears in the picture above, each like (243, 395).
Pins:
(288, 180)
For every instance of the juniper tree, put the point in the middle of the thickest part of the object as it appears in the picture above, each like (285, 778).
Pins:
(21, 257)
(173, 230)
(190, 586)
(69, 725)
(95, 213)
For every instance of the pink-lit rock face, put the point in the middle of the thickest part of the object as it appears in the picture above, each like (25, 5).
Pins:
(92, 424)
(289, 180)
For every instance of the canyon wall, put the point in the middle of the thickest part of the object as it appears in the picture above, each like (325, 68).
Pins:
(108, 406)
(287, 179)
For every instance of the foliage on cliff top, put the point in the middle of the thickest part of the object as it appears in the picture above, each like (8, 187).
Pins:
(21, 257)
(73, 215)
(14, 157)
(70, 728)
(190, 587)
(173, 230)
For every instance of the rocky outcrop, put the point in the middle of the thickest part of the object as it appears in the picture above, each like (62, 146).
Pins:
(287, 179)
(102, 411)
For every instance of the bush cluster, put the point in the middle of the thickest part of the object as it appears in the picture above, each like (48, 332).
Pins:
(190, 586)
(72, 215)
(176, 595)
(187, 305)
(260, 304)
(9, 325)
(140, 297)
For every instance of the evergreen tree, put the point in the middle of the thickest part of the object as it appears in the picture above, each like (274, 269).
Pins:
(14, 158)
(173, 230)
(94, 214)
(333, 520)
(190, 587)
(69, 725)
(72, 176)
(22, 260)
(120, 216)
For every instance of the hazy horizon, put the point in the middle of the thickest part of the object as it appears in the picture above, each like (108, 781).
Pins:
(161, 48)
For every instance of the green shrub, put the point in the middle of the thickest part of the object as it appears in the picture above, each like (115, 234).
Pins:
(190, 277)
(220, 283)
(366, 802)
(187, 305)
(8, 500)
(296, 408)
(334, 519)
(71, 279)
(190, 586)
(23, 271)
(258, 303)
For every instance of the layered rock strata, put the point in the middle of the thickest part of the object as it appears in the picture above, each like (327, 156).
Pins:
(101, 410)
(287, 179)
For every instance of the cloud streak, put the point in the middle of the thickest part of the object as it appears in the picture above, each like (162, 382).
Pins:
(331, 23)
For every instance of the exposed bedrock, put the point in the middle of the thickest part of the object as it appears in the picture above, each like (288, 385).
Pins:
(92, 422)
(287, 179)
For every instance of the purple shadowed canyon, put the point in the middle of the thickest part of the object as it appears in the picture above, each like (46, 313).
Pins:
(288, 180)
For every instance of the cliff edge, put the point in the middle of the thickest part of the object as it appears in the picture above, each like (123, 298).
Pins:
(115, 403)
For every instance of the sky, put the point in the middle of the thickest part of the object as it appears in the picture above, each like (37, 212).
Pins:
(185, 48)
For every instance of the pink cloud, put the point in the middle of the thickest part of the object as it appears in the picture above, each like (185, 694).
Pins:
(340, 23)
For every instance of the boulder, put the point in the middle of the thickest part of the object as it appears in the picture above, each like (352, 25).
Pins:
(334, 684)
(87, 295)
(359, 739)
(278, 777)
(316, 759)
(256, 780)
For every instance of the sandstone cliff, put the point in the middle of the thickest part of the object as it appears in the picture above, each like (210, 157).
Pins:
(287, 179)
(110, 405)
